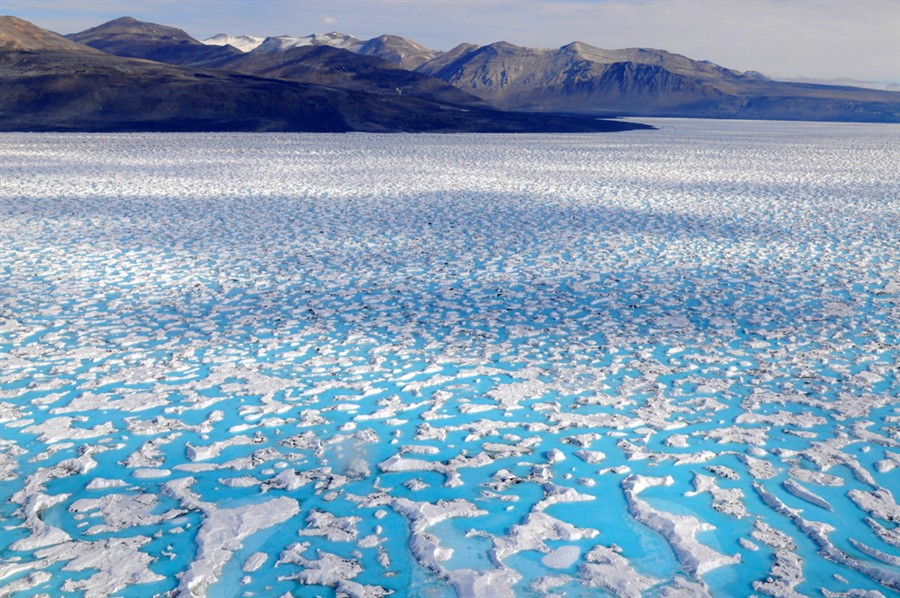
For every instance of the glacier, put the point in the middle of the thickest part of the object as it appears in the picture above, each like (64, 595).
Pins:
(654, 363)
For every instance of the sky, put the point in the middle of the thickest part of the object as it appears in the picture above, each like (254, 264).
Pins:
(821, 39)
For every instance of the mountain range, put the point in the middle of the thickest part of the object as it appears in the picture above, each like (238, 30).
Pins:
(131, 75)
(52, 83)
(580, 78)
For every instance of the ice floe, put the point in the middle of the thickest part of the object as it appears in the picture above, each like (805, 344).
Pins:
(658, 363)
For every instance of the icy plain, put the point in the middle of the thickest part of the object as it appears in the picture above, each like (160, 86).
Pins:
(657, 363)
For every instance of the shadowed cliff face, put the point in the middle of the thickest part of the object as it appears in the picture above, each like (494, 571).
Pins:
(638, 81)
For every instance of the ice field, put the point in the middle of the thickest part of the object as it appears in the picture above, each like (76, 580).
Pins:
(655, 363)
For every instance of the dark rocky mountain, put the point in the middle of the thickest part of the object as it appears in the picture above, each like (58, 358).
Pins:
(398, 50)
(326, 65)
(328, 59)
(49, 83)
(130, 38)
(578, 78)
(338, 82)
(446, 58)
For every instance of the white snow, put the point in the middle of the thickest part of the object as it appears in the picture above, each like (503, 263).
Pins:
(280, 43)
(244, 43)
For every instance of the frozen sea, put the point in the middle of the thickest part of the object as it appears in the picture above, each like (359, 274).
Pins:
(654, 363)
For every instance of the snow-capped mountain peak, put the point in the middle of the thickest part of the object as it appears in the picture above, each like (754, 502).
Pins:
(334, 39)
(244, 43)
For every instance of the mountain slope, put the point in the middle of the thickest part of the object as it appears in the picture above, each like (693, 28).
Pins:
(130, 38)
(79, 89)
(326, 59)
(574, 79)
(643, 82)
(325, 65)
(280, 43)
(398, 50)
(571, 80)
(17, 35)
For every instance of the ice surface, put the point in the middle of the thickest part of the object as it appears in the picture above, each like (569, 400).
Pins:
(661, 363)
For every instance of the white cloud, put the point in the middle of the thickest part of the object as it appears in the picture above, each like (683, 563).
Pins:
(329, 20)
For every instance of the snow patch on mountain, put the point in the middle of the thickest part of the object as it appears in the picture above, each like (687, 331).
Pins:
(244, 43)
(280, 43)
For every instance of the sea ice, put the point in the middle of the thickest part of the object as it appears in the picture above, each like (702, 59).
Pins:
(658, 363)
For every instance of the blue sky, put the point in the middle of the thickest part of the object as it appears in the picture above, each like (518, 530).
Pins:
(858, 39)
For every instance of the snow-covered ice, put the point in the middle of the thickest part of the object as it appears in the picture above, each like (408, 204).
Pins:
(657, 363)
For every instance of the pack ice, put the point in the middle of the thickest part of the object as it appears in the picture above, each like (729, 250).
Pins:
(657, 363)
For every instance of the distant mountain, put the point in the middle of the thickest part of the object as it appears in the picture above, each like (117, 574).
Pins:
(324, 59)
(49, 83)
(281, 43)
(395, 49)
(578, 78)
(445, 58)
(326, 65)
(244, 43)
(574, 79)
(17, 35)
(582, 79)
(130, 38)
(398, 50)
